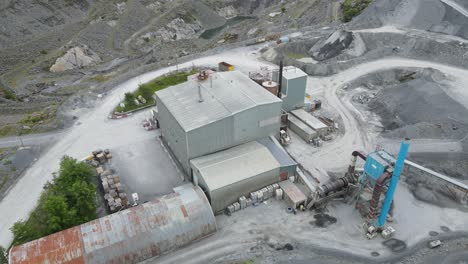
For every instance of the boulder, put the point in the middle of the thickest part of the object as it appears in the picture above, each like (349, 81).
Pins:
(75, 58)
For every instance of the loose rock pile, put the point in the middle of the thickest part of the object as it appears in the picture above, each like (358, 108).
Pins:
(115, 194)
(114, 191)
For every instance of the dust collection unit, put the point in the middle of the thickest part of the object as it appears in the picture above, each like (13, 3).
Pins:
(378, 179)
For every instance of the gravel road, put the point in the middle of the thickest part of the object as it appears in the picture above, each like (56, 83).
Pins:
(335, 156)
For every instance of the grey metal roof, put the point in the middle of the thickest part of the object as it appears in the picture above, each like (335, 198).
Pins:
(224, 94)
(291, 72)
(309, 119)
(301, 125)
(278, 152)
(235, 164)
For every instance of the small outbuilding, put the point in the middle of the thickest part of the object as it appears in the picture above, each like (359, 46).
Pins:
(227, 175)
(292, 194)
(311, 121)
(293, 87)
(301, 129)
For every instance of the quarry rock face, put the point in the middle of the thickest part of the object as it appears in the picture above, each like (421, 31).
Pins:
(177, 29)
(77, 57)
(332, 46)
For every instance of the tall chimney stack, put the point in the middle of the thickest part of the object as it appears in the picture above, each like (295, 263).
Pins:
(280, 79)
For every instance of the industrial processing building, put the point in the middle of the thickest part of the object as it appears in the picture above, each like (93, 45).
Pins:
(229, 174)
(226, 109)
(129, 236)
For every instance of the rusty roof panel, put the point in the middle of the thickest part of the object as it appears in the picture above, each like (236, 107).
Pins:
(62, 247)
(129, 236)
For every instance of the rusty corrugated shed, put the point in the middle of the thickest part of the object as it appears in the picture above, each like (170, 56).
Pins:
(129, 236)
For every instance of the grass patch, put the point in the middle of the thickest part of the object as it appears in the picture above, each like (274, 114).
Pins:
(8, 130)
(4, 181)
(295, 56)
(148, 89)
(407, 77)
(7, 94)
(100, 78)
(69, 200)
(33, 119)
(39, 117)
(352, 8)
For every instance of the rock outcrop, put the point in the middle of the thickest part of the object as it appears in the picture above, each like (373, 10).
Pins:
(75, 58)
(332, 46)
(177, 29)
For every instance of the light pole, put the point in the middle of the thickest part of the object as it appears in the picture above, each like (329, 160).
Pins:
(19, 137)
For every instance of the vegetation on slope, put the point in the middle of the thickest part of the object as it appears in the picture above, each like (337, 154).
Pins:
(352, 8)
(67, 201)
(3, 258)
(147, 90)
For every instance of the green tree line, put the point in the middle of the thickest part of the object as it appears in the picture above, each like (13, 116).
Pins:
(68, 200)
(352, 8)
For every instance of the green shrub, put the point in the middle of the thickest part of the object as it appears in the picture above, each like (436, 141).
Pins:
(148, 89)
(44, 52)
(3, 258)
(352, 8)
(67, 201)
(7, 94)
(295, 56)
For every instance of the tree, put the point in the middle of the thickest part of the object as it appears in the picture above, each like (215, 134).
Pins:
(60, 216)
(129, 99)
(68, 200)
(3, 258)
(70, 172)
(83, 199)
(22, 232)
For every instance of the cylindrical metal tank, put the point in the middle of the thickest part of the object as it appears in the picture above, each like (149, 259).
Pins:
(333, 186)
(129, 236)
(271, 86)
(257, 77)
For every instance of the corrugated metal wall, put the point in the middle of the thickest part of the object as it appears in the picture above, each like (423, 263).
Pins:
(251, 124)
(173, 134)
(129, 236)
(211, 138)
(222, 197)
